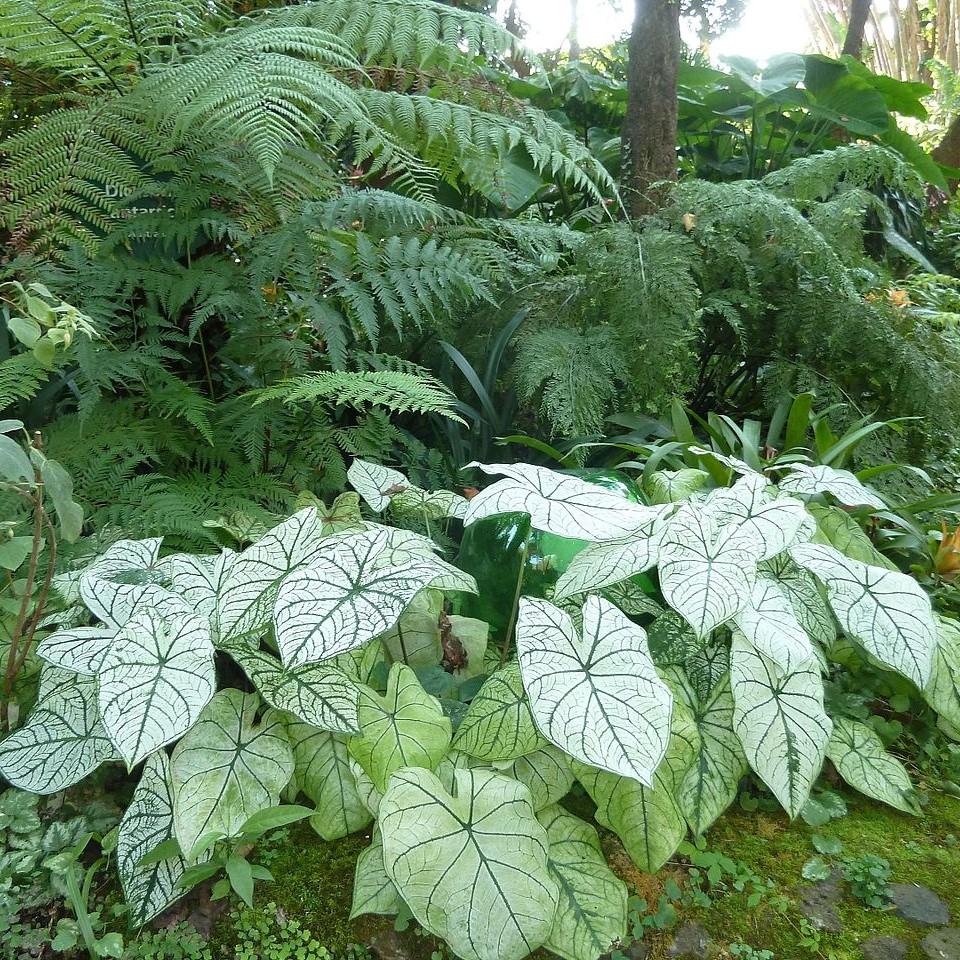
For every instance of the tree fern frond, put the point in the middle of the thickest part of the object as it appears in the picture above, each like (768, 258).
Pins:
(22, 377)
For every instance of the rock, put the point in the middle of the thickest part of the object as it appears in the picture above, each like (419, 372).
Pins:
(690, 942)
(884, 948)
(638, 950)
(942, 944)
(390, 945)
(919, 905)
(818, 903)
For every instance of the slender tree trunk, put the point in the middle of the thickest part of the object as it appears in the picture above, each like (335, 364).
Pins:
(947, 151)
(856, 28)
(574, 35)
(650, 126)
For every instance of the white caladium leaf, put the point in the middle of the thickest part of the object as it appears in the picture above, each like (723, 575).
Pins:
(546, 773)
(347, 598)
(596, 696)
(672, 486)
(430, 504)
(375, 483)
(227, 768)
(886, 611)
(557, 503)
(774, 522)
(780, 721)
(860, 758)
(122, 580)
(323, 773)
(806, 597)
(80, 649)
(318, 694)
(369, 795)
(592, 912)
(249, 586)
(148, 822)
(842, 484)
(404, 728)
(197, 579)
(473, 865)
(734, 463)
(62, 741)
(373, 891)
(498, 725)
(943, 690)
(155, 680)
(768, 621)
(706, 573)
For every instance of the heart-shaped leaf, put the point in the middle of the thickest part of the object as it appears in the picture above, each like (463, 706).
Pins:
(769, 623)
(197, 579)
(79, 649)
(943, 690)
(373, 891)
(124, 580)
(546, 773)
(375, 483)
(807, 598)
(811, 480)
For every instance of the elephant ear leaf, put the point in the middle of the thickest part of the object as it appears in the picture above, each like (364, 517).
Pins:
(769, 622)
(472, 865)
(79, 649)
(811, 480)
(592, 912)
(373, 891)
(596, 696)
(546, 773)
(123, 581)
(943, 690)
(860, 758)
(375, 483)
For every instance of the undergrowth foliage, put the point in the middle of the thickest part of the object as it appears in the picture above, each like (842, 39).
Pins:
(325, 663)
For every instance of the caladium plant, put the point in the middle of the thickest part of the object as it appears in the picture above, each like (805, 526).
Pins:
(327, 663)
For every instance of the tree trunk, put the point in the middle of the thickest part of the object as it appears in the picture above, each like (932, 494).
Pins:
(574, 35)
(650, 126)
(856, 28)
(947, 151)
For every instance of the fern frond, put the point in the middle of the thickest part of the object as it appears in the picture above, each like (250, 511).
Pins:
(22, 377)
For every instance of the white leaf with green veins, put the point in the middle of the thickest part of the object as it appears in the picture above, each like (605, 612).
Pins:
(472, 866)
(148, 822)
(404, 728)
(373, 891)
(249, 587)
(806, 597)
(706, 573)
(811, 480)
(318, 694)
(886, 611)
(596, 696)
(228, 767)
(557, 503)
(415, 638)
(369, 795)
(122, 581)
(671, 486)
(734, 463)
(498, 725)
(547, 773)
(430, 504)
(62, 741)
(197, 579)
(592, 912)
(322, 772)
(943, 690)
(155, 680)
(780, 722)
(863, 762)
(375, 483)
(836, 528)
(770, 624)
(80, 649)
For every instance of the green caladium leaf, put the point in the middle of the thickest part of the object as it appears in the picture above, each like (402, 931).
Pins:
(197, 579)
(430, 504)
(404, 728)
(557, 503)
(155, 679)
(811, 480)
(943, 690)
(79, 649)
(147, 822)
(860, 758)
(62, 741)
(547, 773)
(706, 572)
(806, 597)
(228, 767)
(472, 865)
(323, 773)
(780, 721)
(886, 611)
(125, 579)
(415, 638)
(369, 795)
(592, 909)
(58, 485)
(768, 621)
(707, 666)
(361, 664)
(375, 483)
(318, 694)
(672, 486)
(373, 891)
(499, 725)
(836, 528)
(249, 586)
(596, 696)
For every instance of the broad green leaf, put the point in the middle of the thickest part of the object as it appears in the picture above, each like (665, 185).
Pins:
(429, 504)
(592, 909)
(806, 596)
(228, 767)
(362, 663)
(472, 865)
(836, 528)
(369, 795)
(14, 551)
(499, 725)
(415, 638)
(318, 694)
(59, 487)
(14, 463)
(323, 774)
(943, 690)
(557, 503)
(811, 480)
(546, 773)
(768, 621)
(122, 581)
(404, 728)
(595, 696)
(671, 486)
(197, 579)
(887, 611)
(148, 822)
(155, 680)
(375, 483)
(373, 891)
(860, 758)
(706, 573)
(62, 741)
(780, 722)
(80, 649)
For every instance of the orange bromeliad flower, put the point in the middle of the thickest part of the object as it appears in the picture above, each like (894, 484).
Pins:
(946, 561)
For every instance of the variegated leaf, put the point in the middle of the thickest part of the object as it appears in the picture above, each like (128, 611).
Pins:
(546, 773)
(376, 483)
(672, 486)
(770, 624)
(811, 480)
(807, 598)
(943, 690)
(80, 649)
(373, 891)
(121, 581)
(197, 579)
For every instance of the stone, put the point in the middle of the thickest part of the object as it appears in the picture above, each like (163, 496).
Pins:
(690, 942)
(942, 944)
(919, 905)
(818, 903)
(638, 950)
(884, 948)
(390, 945)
